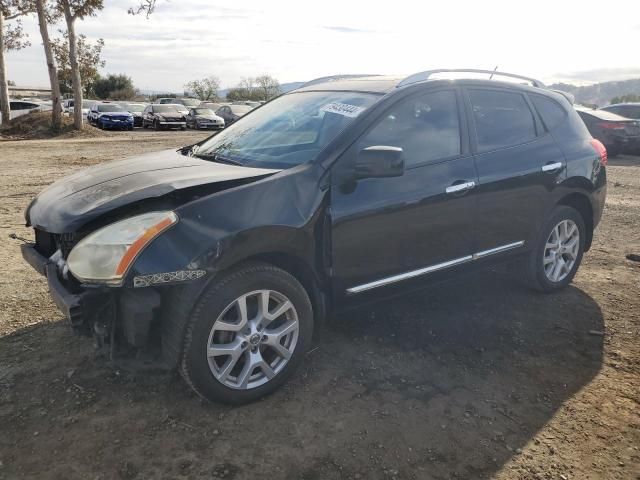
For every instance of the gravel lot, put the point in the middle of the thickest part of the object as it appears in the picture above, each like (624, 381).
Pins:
(475, 379)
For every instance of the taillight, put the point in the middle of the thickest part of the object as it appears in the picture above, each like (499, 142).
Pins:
(600, 150)
(611, 125)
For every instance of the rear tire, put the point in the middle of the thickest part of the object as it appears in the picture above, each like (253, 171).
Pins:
(156, 125)
(558, 251)
(237, 358)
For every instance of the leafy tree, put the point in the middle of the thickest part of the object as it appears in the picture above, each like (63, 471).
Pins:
(88, 58)
(12, 37)
(112, 86)
(47, 13)
(72, 11)
(204, 89)
(628, 98)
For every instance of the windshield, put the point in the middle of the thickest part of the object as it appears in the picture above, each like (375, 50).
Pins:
(164, 108)
(110, 108)
(288, 131)
(135, 107)
(203, 111)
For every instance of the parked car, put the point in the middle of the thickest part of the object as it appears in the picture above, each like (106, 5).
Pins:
(22, 107)
(629, 110)
(341, 192)
(231, 113)
(165, 100)
(163, 116)
(110, 115)
(618, 134)
(135, 109)
(188, 102)
(211, 105)
(204, 118)
(67, 105)
(86, 108)
(248, 103)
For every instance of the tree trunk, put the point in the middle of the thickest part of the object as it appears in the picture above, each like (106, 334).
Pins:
(75, 68)
(4, 88)
(56, 98)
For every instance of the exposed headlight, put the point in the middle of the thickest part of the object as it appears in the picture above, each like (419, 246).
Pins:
(105, 255)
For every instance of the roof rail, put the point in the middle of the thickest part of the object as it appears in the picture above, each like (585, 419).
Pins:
(333, 78)
(422, 76)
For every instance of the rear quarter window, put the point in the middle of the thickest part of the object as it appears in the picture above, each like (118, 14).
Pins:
(551, 112)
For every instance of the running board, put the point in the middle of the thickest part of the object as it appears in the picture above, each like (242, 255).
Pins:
(433, 268)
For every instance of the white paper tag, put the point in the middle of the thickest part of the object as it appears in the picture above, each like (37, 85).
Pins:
(343, 109)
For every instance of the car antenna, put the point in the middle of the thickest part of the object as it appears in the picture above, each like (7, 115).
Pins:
(494, 71)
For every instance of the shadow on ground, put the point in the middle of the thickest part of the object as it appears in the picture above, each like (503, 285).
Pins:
(446, 383)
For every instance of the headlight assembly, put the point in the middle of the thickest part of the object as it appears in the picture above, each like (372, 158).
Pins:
(105, 255)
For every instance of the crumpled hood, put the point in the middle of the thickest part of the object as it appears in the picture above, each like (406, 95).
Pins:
(75, 200)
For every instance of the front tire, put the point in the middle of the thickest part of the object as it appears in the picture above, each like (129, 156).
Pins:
(247, 334)
(558, 252)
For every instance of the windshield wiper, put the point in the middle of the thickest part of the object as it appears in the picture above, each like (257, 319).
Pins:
(216, 157)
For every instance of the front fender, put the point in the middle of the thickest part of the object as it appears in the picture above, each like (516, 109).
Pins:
(278, 214)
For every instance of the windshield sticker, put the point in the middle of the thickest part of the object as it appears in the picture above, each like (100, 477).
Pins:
(342, 109)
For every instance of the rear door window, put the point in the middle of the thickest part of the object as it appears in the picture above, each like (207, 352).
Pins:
(502, 119)
(550, 111)
(426, 127)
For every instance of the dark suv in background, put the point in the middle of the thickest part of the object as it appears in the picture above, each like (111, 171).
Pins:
(343, 191)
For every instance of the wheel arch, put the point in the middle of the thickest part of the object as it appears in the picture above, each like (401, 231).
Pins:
(581, 203)
(181, 299)
(305, 274)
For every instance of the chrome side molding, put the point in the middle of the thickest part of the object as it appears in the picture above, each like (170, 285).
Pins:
(459, 187)
(433, 268)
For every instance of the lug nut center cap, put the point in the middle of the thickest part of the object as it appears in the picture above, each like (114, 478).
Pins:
(254, 339)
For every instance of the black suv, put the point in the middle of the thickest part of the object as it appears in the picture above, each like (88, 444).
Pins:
(233, 250)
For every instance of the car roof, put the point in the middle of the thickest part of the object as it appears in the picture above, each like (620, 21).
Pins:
(383, 84)
(368, 83)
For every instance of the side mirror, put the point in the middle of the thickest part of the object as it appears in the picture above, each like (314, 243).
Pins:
(379, 161)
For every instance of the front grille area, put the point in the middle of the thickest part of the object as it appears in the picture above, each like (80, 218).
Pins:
(47, 243)
(65, 242)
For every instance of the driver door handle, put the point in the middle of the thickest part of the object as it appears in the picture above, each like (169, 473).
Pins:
(551, 167)
(460, 187)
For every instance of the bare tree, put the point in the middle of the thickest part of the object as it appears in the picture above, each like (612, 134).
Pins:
(45, 14)
(204, 89)
(268, 87)
(145, 7)
(12, 37)
(72, 11)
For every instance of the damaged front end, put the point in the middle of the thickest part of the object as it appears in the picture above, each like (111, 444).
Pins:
(91, 227)
(93, 310)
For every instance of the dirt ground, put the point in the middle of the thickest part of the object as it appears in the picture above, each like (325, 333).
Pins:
(475, 379)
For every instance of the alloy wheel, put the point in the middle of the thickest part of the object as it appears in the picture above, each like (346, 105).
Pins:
(253, 339)
(561, 250)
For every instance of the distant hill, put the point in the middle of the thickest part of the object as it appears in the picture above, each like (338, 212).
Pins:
(600, 93)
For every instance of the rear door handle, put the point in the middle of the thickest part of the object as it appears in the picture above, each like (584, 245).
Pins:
(460, 187)
(551, 167)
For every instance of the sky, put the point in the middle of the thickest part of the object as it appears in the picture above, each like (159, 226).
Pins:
(576, 41)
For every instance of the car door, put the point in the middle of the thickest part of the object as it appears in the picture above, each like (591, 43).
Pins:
(519, 165)
(385, 230)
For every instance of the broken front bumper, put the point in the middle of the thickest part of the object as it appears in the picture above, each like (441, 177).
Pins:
(77, 307)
